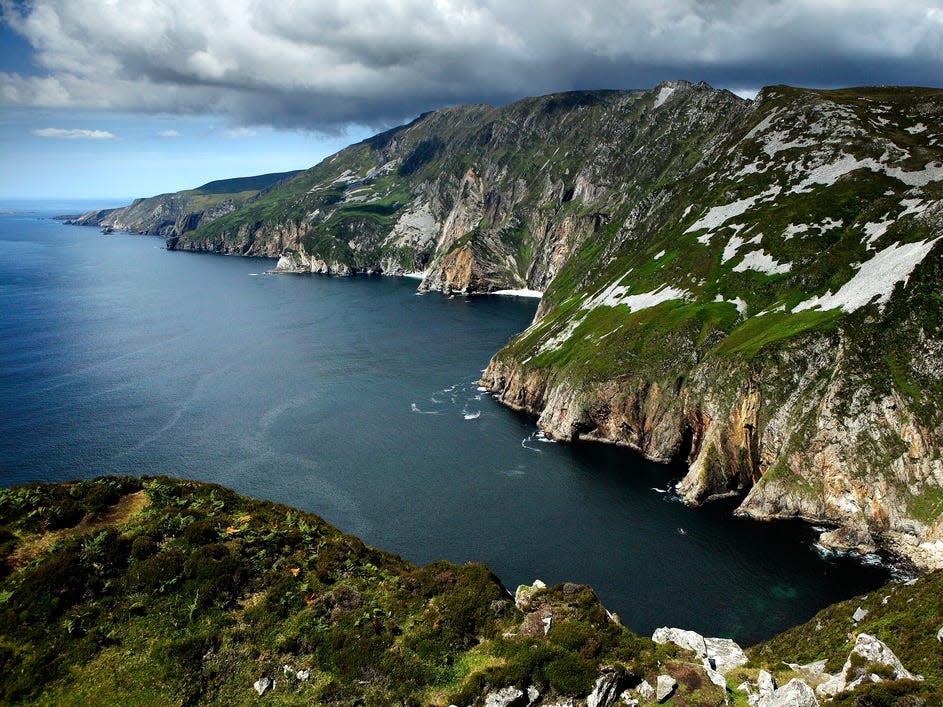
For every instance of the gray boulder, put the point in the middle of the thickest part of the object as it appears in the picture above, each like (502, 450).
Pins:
(765, 683)
(605, 691)
(664, 686)
(525, 593)
(690, 640)
(859, 615)
(723, 653)
(263, 685)
(794, 693)
(645, 690)
(505, 697)
(876, 651)
(832, 685)
(716, 678)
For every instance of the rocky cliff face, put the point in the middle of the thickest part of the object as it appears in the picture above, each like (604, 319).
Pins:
(750, 286)
(480, 198)
(773, 319)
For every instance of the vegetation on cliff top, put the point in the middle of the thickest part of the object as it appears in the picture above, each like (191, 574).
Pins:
(159, 591)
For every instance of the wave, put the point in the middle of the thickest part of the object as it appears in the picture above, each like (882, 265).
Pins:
(415, 408)
(530, 438)
(472, 415)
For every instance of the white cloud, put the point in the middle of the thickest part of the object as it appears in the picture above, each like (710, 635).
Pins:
(237, 133)
(73, 134)
(168, 133)
(323, 64)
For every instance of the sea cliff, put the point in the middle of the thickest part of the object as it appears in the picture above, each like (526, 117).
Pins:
(749, 286)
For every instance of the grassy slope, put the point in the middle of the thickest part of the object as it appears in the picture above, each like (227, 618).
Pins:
(120, 591)
(126, 591)
(905, 617)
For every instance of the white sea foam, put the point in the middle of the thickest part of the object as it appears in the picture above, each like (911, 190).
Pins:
(530, 439)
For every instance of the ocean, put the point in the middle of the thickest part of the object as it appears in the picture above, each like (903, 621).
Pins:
(356, 399)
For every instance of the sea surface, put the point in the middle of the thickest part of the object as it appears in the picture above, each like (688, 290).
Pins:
(356, 399)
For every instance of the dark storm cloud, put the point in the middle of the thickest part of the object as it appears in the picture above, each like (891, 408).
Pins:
(322, 65)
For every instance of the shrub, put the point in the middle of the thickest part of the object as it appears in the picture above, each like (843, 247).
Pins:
(201, 532)
(143, 547)
(157, 572)
(570, 675)
(215, 572)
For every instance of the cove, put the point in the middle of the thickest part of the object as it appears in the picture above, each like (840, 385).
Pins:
(355, 399)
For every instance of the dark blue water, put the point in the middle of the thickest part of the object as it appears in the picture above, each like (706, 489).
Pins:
(356, 399)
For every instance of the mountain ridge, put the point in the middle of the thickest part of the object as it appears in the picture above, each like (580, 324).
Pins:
(176, 212)
(749, 286)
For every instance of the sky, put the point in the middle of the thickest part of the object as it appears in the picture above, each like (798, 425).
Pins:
(113, 99)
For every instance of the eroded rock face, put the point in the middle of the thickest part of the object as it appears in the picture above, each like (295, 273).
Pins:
(605, 690)
(721, 421)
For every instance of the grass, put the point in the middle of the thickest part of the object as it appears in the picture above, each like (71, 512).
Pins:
(165, 591)
(173, 592)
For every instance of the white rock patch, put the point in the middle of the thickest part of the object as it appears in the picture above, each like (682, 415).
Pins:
(762, 261)
(718, 215)
(556, 341)
(828, 174)
(918, 128)
(876, 278)
(615, 294)
(663, 95)
(794, 229)
(416, 228)
(730, 250)
(874, 230)
(762, 126)
(736, 302)
(913, 207)
(779, 141)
